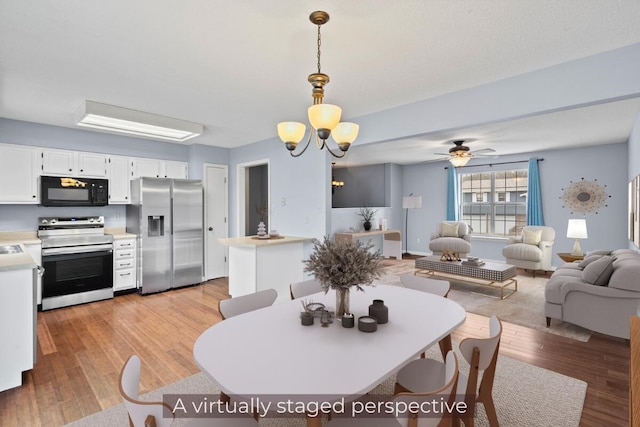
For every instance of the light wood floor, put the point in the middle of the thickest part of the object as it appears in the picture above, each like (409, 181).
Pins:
(82, 349)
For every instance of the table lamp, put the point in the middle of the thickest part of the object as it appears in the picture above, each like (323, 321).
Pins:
(577, 229)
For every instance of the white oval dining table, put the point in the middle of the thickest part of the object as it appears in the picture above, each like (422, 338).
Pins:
(268, 353)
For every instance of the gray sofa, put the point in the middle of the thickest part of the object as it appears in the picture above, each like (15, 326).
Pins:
(599, 293)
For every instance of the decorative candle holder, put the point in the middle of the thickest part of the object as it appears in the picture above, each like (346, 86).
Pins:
(379, 311)
(367, 324)
(348, 321)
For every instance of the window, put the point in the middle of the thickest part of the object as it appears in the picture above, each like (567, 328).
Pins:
(494, 203)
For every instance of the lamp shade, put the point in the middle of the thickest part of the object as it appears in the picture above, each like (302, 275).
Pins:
(324, 116)
(345, 133)
(291, 131)
(411, 202)
(459, 161)
(577, 229)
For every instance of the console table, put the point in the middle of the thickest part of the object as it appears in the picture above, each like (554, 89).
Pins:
(391, 240)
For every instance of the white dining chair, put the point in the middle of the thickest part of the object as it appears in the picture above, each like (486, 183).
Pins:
(432, 286)
(245, 303)
(482, 355)
(444, 385)
(307, 287)
(425, 284)
(158, 414)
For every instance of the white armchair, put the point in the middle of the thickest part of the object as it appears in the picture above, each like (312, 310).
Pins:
(453, 236)
(532, 250)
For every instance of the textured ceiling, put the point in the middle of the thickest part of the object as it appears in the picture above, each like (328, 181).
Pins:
(240, 67)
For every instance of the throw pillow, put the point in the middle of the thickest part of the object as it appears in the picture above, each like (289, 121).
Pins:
(449, 230)
(599, 271)
(531, 237)
(588, 260)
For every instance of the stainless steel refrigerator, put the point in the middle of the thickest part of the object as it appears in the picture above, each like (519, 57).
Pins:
(167, 216)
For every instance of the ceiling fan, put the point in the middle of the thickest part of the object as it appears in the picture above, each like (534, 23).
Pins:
(460, 154)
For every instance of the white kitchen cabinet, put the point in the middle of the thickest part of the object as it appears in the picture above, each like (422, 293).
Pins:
(72, 163)
(92, 165)
(19, 172)
(141, 167)
(58, 162)
(119, 180)
(124, 264)
(17, 325)
(35, 250)
(154, 168)
(170, 169)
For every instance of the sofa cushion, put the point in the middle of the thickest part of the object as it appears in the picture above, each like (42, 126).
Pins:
(598, 252)
(449, 229)
(599, 271)
(589, 259)
(625, 274)
(531, 237)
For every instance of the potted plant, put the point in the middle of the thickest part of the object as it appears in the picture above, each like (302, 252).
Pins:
(342, 266)
(367, 215)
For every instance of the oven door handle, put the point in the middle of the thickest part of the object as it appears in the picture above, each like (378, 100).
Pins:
(77, 250)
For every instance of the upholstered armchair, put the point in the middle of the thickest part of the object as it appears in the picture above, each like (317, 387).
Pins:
(453, 236)
(532, 250)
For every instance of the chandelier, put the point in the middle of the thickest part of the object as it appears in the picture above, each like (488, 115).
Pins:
(324, 118)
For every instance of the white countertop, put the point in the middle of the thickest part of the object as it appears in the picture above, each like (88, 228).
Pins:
(255, 241)
(19, 261)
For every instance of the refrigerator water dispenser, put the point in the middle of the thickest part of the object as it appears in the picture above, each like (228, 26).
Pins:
(155, 225)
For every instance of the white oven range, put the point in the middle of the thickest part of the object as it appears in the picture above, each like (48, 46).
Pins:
(78, 261)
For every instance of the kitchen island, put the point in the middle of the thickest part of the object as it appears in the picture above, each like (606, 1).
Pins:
(256, 264)
(18, 273)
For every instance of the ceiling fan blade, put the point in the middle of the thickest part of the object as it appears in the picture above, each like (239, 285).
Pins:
(484, 150)
(443, 154)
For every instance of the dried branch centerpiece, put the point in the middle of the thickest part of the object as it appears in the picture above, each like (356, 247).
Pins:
(367, 215)
(343, 265)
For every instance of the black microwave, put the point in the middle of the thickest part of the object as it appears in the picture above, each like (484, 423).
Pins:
(65, 191)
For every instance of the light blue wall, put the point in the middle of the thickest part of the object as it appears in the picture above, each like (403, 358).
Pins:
(25, 217)
(300, 188)
(603, 77)
(606, 229)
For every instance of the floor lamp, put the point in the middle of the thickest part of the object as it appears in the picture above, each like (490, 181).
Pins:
(409, 202)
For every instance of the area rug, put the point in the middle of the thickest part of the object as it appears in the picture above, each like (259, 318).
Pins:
(524, 395)
(524, 307)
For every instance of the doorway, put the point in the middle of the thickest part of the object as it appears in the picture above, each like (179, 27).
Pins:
(253, 197)
(216, 196)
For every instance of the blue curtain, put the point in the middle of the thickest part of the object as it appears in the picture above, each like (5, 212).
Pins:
(452, 195)
(534, 195)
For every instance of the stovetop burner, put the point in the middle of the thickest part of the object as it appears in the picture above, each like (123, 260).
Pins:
(57, 232)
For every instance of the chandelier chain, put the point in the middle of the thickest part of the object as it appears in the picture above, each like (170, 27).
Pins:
(319, 43)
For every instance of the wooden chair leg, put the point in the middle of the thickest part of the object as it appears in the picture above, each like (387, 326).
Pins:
(445, 346)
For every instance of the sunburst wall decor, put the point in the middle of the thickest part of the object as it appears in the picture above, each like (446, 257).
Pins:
(585, 196)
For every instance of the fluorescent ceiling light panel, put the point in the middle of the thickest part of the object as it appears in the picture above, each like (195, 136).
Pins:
(109, 118)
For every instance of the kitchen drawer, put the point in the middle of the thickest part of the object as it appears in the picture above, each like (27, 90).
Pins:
(125, 279)
(124, 254)
(124, 244)
(124, 263)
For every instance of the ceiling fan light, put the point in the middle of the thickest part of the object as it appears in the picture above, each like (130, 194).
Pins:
(459, 161)
(291, 132)
(324, 116)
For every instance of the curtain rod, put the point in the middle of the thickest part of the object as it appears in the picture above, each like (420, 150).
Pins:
(492, 164)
